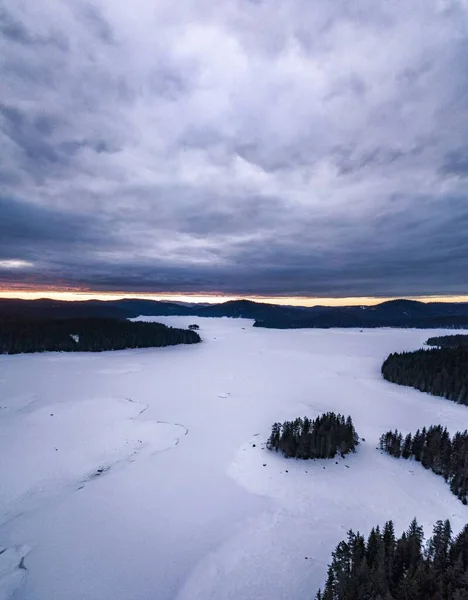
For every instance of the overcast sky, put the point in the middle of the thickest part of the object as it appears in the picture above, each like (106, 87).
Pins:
(277, 147)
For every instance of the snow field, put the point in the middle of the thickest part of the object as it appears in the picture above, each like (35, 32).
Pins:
(139, 475)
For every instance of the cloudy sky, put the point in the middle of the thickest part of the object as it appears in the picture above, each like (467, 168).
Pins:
(246, 147)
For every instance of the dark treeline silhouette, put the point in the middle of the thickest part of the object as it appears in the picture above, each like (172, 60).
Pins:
(86, 335)
(385, 567)
(394, 313)
(448, 341)
(439, 371)
(435, 450)
(322, 437)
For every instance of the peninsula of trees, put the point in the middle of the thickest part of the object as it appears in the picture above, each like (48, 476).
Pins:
(438, 371)
(449, 341)
(86, 335)
(435, 450)
(385, 567)
(322, 437)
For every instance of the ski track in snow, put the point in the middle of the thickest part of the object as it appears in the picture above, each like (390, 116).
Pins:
(121, 370)
(220, 518)
(16, 403)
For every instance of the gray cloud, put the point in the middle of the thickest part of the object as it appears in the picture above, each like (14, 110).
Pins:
(303, 148)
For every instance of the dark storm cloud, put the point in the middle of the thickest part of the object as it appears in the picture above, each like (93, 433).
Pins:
(31, 227)
(50, 242)
(13, 30)
(31, 136)
(456, 162)
(303, 148)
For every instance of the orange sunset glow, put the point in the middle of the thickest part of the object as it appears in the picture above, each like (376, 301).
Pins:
(82, 295)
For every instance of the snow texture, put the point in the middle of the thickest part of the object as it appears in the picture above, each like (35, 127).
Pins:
(142, 474)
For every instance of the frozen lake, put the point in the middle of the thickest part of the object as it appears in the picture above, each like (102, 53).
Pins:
(139, 475)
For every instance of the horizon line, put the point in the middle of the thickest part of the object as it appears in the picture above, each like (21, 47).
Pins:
(305, 301)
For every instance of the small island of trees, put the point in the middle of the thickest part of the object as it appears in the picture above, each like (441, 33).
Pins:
(385, 567)
(435, 450)
(19, 335)
(438, 371)
(322, 437)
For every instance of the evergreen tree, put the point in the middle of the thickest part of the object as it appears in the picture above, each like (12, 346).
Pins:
(406, 450)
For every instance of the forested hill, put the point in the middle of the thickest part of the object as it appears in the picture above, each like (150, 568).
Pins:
(19, 335)
(395, 313)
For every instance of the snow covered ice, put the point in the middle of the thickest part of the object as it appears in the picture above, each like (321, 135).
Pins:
(139, 475)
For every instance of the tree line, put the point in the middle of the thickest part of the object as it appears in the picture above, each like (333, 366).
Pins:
(438, 371)
(322, 437)
(435, 450)
(448, 341)
(19, 335)
(385, 567)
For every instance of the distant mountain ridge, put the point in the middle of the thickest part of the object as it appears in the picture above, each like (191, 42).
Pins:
(392, 313)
